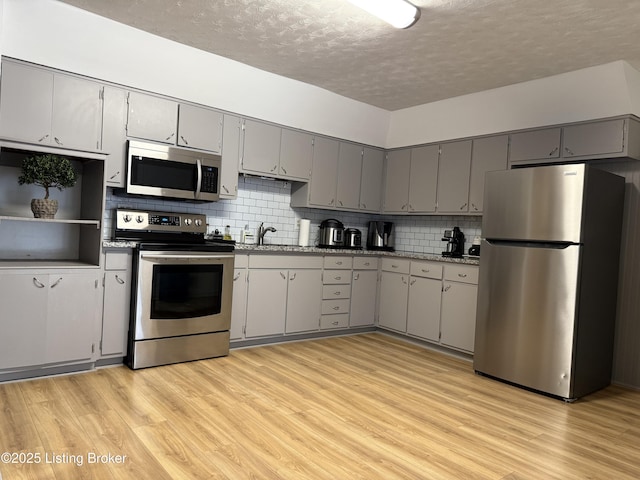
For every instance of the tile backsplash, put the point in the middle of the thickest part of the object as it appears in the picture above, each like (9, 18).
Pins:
(262, 200)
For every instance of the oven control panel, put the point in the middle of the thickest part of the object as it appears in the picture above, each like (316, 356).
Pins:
(142, 220)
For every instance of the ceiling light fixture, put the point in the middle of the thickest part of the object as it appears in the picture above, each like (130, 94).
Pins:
(399, 13)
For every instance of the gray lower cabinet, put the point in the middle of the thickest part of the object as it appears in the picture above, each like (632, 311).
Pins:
(458, 316)
(425, 290)
(239, 302)
(116, 303)
(44, 107)
(304, 300)
(266, 302)
(48, 318)
(394, 294)
(364, 291)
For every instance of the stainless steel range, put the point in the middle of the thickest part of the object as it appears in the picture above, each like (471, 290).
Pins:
(182, 288)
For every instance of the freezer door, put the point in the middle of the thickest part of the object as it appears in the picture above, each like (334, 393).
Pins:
(541, 203)
(526, 315)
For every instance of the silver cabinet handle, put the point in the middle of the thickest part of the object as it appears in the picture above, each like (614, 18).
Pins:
(394, 266)
(283, 276)
(463, 206)
(42, 139)
(474, 207)
(118, 279)
(236, 277)
(364, 205)
(38, 283)
(332, 200)
(426, 270)
(337, 278)
(183, 139)
(294, 277)
(170, 136)
(334, 323)
(340, 202)
(446, 289)
(336, 308)
(403, 280)
(274, 168)
(412, 281)
(339, 263)
(55, 284)
(284, 170)
(568, 150)
(337, 293)
(226, 190)
(462, 275)
(114, 175)
(58, 141)
(403, 207)
(554, 151)
(366, 264)
(356, 276)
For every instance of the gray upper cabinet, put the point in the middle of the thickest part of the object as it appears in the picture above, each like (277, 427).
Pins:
(371, 181)
(423, 179)
(114, 135)
(152, 118)
(296, 154)
(48, 108)
(260, 148)
(199, 128)
(349, 174)
(489, 154)
(454, 169)
(541, 144)
(322, 187)
(396, 187)
(600, 138)
(230, 156)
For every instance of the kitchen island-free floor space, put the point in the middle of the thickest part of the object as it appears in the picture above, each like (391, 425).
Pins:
(357, 407)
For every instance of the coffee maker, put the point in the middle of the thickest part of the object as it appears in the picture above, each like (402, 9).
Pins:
(455, 243)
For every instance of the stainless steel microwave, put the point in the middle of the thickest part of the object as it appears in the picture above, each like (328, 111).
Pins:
(172, 172)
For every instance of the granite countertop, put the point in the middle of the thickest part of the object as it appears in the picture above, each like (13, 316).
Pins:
(266, 249)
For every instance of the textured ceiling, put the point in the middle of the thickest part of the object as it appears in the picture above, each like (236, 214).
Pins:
(457, 46)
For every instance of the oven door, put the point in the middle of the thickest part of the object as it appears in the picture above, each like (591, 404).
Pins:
(182, 293)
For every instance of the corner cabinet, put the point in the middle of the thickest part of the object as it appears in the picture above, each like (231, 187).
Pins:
(44, 107)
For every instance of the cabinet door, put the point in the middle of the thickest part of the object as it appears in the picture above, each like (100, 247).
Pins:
(71, 317)
(535, 145)
(458, 320)
(423, 316)
(266, 302)
(230, 157)
(598, 138)
(349, 175)
(304, 300)
(454, 169)
(371, 180)
(114, 119)
(423, 180)
(152, 118)
(296, 154)
(199, 128)
(261, 148)
(24, 318)
(392, 310)
(363, 294)
(115, 312)
(239, 303)
(396, 187)
(322, 187)
(489, 154)
(77, 113)
(25, 103)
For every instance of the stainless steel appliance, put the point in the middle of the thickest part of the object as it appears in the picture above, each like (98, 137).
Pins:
(172, 172)
(181, 288)
(548, 278)
(331, 234)
(455, 243)
(380, 236)
(352, 238)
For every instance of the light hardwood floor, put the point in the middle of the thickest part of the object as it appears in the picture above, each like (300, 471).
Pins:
(358, 407)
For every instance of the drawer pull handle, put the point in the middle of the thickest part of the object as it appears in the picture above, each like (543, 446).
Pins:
(55, 284)
(394, 266)
(426, 270)
(412, 281)
(366, 264)
(284, 277)
(336, 308)
(38, 283)
(338, 263)
(121, 281)
(356, 276)
(334, 323)
(462, 275)
(338, 278)
(337, 293)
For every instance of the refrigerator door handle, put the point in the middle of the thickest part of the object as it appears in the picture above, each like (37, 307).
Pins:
(530, 244)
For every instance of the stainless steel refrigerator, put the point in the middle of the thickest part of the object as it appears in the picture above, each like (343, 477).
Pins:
(548, 281)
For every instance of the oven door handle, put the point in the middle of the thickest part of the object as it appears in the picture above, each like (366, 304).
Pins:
(199, 180)
(182, 257)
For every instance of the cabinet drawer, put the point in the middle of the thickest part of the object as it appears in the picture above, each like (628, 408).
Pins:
(118, 260)
(461, 273)
(285, 261)
(365, 263)
(331, 292)
(241, 261)
(335, 306)
(334, 321)
(331, 261)
(427, 270)
(336, 277)
(396, 265)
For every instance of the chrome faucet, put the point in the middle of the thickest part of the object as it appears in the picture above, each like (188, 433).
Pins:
(262, 231)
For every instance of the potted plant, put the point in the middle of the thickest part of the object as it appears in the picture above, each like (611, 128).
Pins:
(48, 171)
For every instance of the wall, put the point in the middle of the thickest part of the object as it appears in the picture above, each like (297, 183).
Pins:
(267, 201)
(596, 92)
(58, 35)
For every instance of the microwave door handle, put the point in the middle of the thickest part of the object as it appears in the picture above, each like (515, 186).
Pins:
(199, 178)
